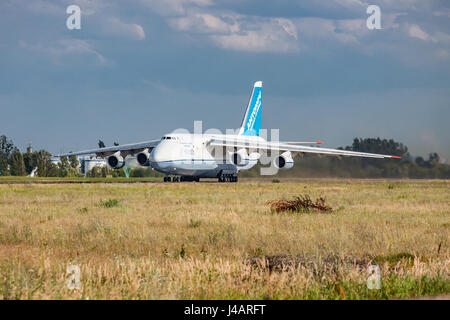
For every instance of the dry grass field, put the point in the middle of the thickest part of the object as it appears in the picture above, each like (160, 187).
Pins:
(222, 241)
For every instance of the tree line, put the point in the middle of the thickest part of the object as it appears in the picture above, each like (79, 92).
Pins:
(15, 163)
(310, 166)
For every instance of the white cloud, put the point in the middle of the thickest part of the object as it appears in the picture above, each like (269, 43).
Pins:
(314, 29)
(264, 35)
(442, 13)
(239, 32)
(410, 5)
(269, 38)
(345, 31)
(58, 50)
(205, 23)
(287, 26)
(441, 37)
(174, 7)
(245, 32)
(415, 31)
(115, 27)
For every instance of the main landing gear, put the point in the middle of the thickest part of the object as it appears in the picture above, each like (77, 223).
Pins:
(228, 178)
(181, 179)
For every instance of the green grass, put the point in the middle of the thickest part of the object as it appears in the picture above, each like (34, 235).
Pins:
(392, 287)
(110, 203)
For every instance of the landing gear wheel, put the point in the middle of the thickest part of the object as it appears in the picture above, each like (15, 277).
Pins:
(228, 178)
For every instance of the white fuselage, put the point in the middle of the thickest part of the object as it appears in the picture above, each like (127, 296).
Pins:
(190, 155)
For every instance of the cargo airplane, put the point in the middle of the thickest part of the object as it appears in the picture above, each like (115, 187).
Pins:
(191, 156)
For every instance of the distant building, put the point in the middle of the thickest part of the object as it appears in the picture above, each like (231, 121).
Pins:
(29, 148)
(87, 163)
(55, 161)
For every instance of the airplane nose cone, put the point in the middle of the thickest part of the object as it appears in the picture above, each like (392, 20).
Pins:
(160, 157)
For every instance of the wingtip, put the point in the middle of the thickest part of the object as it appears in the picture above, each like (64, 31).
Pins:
(319, 142)
(396, 157)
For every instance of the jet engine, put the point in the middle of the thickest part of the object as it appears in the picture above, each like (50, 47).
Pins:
(284, 161)
(252, 161)
(116, 161)
(143, 158)
(240, 158)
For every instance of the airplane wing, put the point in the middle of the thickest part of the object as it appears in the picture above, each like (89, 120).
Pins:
(295, 149)
(304, 142)
(125, 149)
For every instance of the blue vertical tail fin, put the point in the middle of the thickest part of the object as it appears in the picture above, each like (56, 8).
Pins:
(251, 124)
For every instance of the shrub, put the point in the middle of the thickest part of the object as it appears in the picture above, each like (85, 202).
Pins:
(300, 204)
(109, 203)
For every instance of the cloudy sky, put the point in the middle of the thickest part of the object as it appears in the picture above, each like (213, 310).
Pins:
(140, 68)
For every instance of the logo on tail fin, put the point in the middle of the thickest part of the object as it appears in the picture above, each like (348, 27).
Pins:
(251, 123)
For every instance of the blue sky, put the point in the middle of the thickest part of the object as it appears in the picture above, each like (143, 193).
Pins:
(141, 68)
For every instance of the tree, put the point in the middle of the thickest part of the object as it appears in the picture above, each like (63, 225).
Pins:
(4, 167)
(16, 164)
(420, 162)
(6, 147)
(376, 145)
(45, 167)
(52, 170)
(380, 146)
(30, 162)
(74, 163)
(101, 144)
(97, 172)
(83, 167)
(433, 160)
(104, 171)
(64, 167)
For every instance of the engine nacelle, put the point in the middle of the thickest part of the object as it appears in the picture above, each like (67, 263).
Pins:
(240, 158)
(143, 158)
(116, 161)
(253, 160)
(284, 161)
